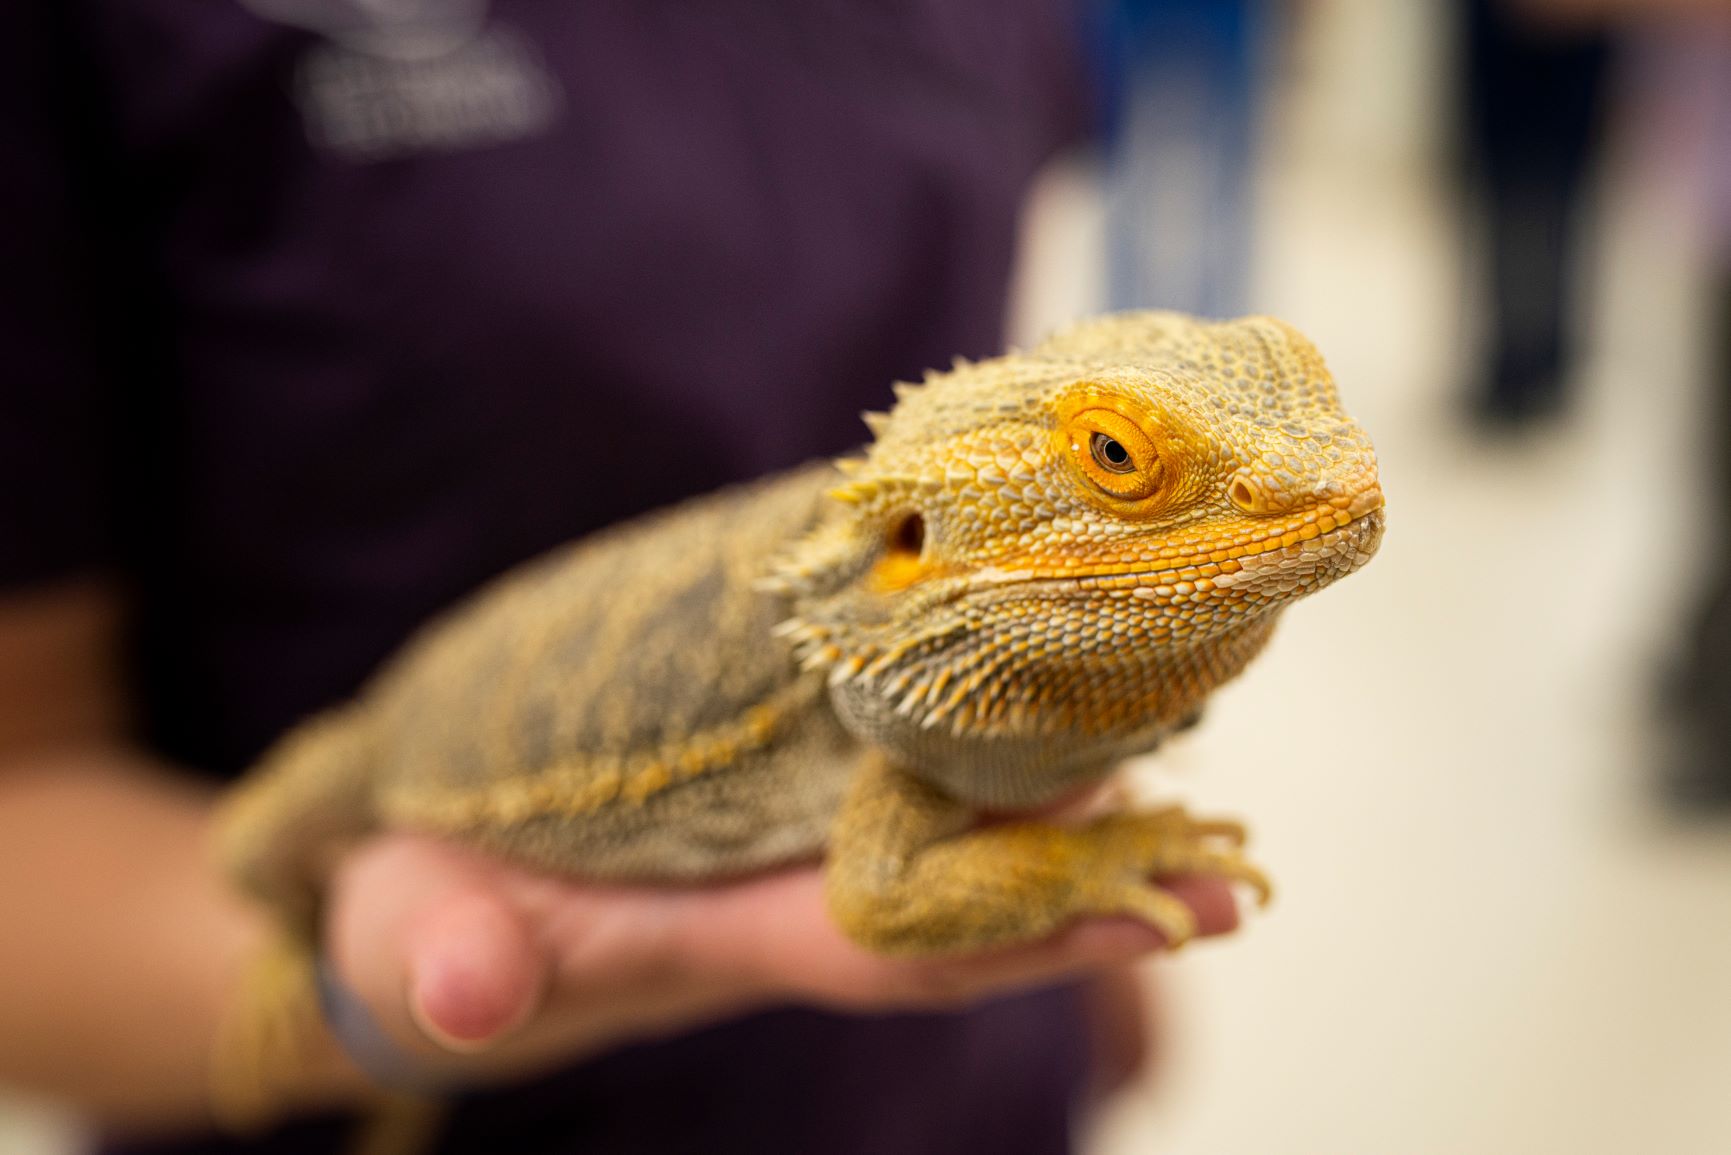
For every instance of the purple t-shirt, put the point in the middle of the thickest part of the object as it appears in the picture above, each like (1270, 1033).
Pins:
(318, 313)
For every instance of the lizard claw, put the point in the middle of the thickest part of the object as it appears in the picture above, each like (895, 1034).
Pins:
(1226, 829)
(1169, 842)
(1163, 911)
(1179, 821)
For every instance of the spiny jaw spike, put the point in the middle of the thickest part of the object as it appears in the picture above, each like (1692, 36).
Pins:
(844, 672)
(854, 492)
(881, 664)
(820, 658)
(800, 632)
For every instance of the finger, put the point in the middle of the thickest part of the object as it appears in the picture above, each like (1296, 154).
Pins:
(474, 973)
(417, 932)
(1080, 949)
(1212, 900)
(776, 932)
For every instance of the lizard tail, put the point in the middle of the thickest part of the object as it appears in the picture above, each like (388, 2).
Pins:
(274, 835)
(274, 1024)
(311, 793)
(402, 1125)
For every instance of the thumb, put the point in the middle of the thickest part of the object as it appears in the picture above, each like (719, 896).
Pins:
(422, 933)
(474, 972)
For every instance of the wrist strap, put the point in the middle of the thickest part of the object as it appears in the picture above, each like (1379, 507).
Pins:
(366, 1043)
(285, 1013)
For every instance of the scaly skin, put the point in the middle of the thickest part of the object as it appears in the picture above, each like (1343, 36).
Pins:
(1043, 564)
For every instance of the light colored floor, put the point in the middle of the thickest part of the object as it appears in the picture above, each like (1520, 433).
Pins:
(1485, 942)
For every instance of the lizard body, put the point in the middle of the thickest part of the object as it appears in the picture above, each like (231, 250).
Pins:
(508, 725)
(1044, 563)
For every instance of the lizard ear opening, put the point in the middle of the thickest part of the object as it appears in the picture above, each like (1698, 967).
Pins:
(902, 562)
(908, 538)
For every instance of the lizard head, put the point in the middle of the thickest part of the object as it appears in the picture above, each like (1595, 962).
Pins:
(1047, 560)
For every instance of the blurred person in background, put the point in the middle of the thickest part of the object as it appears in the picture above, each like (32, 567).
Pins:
(1544, 65)
(1532, 91)
(1180, 137)
(316, 314)
(1691, 63)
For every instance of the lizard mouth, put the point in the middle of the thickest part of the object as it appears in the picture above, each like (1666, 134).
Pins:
(1352, 527)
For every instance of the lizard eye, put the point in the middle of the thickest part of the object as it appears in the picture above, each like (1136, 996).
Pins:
(1114, 454)
(1111, 454)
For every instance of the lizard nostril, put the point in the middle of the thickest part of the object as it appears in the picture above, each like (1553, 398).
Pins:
(1244, 496)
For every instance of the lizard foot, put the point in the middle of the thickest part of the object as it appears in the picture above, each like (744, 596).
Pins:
(1163, 843)
(907, 875)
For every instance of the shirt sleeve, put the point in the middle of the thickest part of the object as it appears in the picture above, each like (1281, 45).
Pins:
(53, 427)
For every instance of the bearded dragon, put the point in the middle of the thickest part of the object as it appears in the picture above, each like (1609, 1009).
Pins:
(1042, 565)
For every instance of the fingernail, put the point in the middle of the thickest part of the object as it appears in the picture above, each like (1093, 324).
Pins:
(420, 993)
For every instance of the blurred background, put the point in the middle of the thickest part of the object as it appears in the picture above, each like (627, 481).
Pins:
(1489, 776)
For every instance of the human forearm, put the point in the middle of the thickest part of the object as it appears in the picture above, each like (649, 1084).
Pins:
(119, 945)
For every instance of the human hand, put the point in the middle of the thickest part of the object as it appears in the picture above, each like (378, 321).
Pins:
(477, 970)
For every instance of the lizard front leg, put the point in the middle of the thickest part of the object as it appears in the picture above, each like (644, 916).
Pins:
(908, 874)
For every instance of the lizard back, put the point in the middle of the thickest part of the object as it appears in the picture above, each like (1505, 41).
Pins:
(603, 687)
